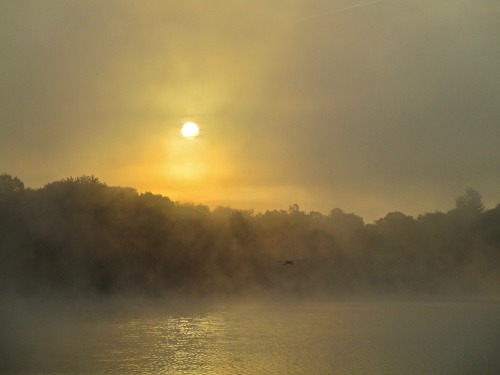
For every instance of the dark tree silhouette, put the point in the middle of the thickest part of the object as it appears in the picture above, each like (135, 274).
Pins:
(9, 184)
(80, 235)
(470, 203)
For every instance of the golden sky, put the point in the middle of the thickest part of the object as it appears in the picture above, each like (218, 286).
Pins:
(369, 106)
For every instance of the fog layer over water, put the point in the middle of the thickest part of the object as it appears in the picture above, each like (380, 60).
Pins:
(79, 236)
(266, 336)
(104, 280)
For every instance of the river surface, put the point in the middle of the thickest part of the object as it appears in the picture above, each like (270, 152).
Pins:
(288, 336)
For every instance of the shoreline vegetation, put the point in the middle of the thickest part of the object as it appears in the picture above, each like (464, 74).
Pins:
(79, 236)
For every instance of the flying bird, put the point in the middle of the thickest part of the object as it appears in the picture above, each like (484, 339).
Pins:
(287, 262)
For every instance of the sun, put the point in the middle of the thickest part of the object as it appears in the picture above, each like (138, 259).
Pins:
(190, 130)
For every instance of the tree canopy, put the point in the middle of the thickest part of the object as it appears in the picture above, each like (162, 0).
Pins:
(9, 184)
(471, 202)
(80, 235)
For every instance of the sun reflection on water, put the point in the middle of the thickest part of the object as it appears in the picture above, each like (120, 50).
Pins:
(375, 338)
(172, 344)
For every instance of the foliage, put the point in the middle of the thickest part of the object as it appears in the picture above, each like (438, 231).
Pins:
(80, 235)
(9, 184)
(471, 202)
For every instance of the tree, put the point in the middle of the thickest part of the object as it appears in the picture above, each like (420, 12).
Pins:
(470, 203)
(9, 184)
(344, 222)
(83, 181)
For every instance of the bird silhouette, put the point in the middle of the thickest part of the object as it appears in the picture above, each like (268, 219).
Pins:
(287, 262)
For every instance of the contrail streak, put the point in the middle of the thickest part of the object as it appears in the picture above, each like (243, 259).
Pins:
(328, 12)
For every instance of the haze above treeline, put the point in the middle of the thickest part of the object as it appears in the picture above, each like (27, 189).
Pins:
(79, 236)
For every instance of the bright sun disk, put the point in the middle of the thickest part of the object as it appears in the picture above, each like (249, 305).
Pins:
(190, 130)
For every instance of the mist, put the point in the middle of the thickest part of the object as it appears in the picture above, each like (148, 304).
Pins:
(333, 228)
(372, 101)
(89, 271)
(79, 236)
(282, 334)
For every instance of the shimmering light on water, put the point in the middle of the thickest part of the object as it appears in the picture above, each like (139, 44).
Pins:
(290, 337)
(165, 343)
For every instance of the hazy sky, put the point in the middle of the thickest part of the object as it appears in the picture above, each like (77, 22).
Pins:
(369, 106)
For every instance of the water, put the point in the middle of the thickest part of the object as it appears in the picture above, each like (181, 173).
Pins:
(284, 337)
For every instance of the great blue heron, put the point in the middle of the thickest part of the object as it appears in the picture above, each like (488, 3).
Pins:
(287, 262)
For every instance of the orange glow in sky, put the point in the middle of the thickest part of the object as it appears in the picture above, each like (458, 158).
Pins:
(371, 106)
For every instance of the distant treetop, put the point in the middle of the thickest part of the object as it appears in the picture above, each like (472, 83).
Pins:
(471, 202)
(9, 184)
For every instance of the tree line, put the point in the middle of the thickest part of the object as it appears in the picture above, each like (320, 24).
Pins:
(79, 235)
